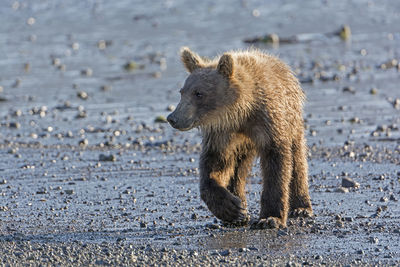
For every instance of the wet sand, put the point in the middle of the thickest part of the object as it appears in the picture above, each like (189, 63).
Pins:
(87, 176)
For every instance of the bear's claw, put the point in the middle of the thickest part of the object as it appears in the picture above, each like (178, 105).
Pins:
(268, 223)
(242, 221)
(301, 212)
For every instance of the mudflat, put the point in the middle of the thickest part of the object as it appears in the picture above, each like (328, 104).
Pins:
(91, 175)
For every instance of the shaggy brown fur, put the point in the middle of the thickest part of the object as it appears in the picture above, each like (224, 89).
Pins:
(246, 103)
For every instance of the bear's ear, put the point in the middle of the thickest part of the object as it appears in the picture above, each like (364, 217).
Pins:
(190, 60)
(225, 65)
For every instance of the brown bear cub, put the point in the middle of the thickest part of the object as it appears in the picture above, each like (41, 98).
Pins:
(246, 104)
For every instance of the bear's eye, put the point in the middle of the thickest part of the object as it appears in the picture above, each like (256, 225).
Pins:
(198, 94)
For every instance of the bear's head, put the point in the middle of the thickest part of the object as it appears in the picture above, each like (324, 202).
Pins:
(206, 93)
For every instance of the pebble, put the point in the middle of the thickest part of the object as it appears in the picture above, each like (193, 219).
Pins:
(345, 33)
(373, 240)
(31, 21)
(83, 142)
(373, 91)
(349, 89)
(383, 199)
(15, 125)
(69, 191)
(56, 61)
(102, 44)
(349, 183)
(75, 46)
(160, 119)
(225, 253)
(4, 208)
(130, 66)
(110, 157)
(82, 95)
(213, 226)
(106, 87)
(87, 72)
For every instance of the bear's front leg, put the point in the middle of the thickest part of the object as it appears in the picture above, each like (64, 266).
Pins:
(214, 178)
(222, 203)
(277, 170)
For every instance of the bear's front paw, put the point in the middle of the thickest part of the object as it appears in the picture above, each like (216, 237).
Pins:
(268, 223)
(226, 207)
(301, 212)
(237, 223)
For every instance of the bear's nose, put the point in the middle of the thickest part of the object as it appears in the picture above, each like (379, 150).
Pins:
(171, 119)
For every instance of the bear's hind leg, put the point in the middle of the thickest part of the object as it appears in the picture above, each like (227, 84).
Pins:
(300, 203)
(276, 164)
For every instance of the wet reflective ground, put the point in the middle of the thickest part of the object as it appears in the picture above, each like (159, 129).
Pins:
(88, 177)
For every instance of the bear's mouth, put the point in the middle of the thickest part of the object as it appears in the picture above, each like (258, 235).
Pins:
(185, 128)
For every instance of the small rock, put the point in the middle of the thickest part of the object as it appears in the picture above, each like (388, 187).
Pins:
(75, 46)
(103, 157)
(102, 44)
(225, 253)
(171, 108)
(373, 240)
(3, 208)
(83, 142)
(87, 72)
(373, 91)
(3, 181)
(383, 199)
(82, 95)
(56, 61)
(130, 66)
(69, 191)
(349, 219)
(213, 226)
(345, 33)
(283, 232)
(349, 89)
(349, 183)
(15, 125)
(392, 197)
(106, 87)
(291, 264)
(160, 119)
(355, 120)
(396, 103)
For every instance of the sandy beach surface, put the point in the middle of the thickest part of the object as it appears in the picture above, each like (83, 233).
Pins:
(91, 175)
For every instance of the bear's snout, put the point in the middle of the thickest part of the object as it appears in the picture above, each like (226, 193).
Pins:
(183, 124)
(171, 119)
